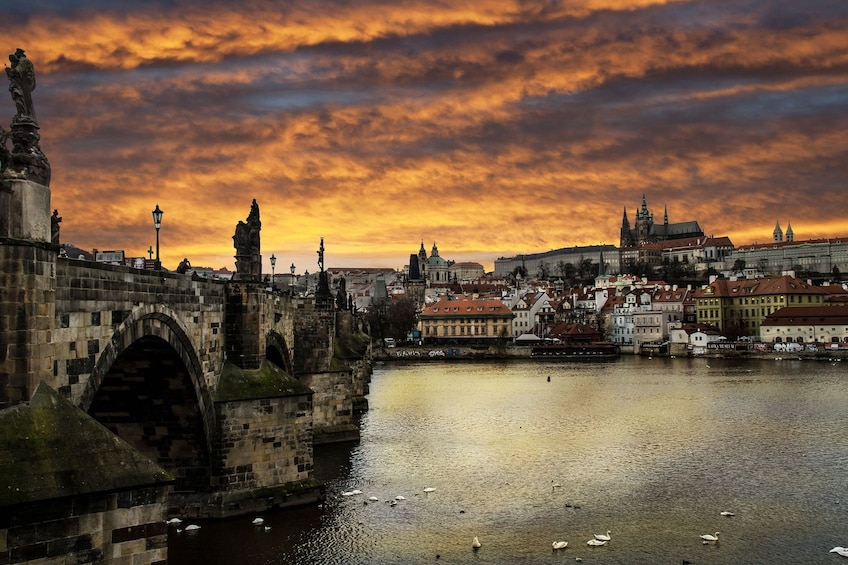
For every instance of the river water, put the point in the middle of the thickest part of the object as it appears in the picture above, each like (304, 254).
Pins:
(523, 453)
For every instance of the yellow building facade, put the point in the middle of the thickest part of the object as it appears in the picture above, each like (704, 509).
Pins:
(738, 307)
(465, 320)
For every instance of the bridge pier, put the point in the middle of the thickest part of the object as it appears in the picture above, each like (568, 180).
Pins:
(27, 277)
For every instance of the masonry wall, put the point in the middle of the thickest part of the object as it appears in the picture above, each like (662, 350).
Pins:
(124, 528)
(245, 341)
(93, 300)
(27, 286)
(265, 446)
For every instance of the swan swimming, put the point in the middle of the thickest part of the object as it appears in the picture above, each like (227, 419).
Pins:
(192, 527)
(839, 550)
(727, 513)
(475, 543)
(429, 489)
(710, 537)
(559, 544)
(174, 521)
(603, 537)
(258, 521)
(596, 542)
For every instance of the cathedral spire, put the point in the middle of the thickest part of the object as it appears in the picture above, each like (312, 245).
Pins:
(790, 235)
(665, 215)
(777, 233)
(625, 235)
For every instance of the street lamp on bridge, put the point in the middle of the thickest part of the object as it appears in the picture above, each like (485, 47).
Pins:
(157, 223)
(273, 280)
(292, 278)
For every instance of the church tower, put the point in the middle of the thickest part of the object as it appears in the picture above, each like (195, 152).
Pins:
(626, 236)
(777, 233)
(644, 223)
(790, 235)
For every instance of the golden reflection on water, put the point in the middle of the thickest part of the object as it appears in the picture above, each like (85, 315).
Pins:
(650, 449)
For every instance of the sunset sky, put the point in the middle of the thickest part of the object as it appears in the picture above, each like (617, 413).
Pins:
(490, 128)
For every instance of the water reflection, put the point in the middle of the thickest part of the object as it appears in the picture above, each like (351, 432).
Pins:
(652, 450)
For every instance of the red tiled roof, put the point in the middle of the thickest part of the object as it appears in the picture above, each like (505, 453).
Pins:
(807, 316)
(726, 288)
(466, 307)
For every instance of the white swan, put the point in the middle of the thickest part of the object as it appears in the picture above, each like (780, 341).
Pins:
(727, 513)
(174, 521)
(373, 498)
(356, 491)
(400, 497)
(192, 527)
(475, 543)
(596, 542)
(559, 544)
(603, 537)
(709, 537)
(258, 521)
(429, 489)
(839, 550)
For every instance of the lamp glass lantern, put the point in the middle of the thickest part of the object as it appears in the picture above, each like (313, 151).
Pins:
(157, 223)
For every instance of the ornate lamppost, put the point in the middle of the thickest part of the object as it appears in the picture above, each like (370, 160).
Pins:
(273, 280)
(292, 278)
(157, 223)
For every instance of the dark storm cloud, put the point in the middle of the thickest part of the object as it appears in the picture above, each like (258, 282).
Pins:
(497, 127)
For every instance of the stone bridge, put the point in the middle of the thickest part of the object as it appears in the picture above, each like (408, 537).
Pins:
(127, 396)
(225, 385)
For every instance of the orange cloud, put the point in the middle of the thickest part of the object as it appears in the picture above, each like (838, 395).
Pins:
(494, 129)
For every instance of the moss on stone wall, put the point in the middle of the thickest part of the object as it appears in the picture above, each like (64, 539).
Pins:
(347, 349)
(267, 381)
(49, 449)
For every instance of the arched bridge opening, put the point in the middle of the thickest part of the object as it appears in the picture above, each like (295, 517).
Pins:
(147, 398)
(277, 353)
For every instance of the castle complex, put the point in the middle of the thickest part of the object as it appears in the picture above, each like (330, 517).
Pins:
(646, 231)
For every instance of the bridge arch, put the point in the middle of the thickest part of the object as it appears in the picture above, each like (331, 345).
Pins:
(277, 352)
(148, 386)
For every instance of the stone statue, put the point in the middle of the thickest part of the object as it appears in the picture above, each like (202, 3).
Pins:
(184, 266)
(323, 295)
(321, 257)
(25, 160)
(341, 295)
(22, 82)
(55, 220)
(247, 244)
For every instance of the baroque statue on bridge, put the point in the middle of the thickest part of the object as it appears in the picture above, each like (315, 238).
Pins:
(247, 245)
(22, 82)
(25, 160)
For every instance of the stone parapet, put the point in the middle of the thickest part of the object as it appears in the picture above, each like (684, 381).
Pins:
(100, 309)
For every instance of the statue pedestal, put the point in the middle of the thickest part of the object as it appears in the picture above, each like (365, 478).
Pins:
(25, 210)
(248, 268)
